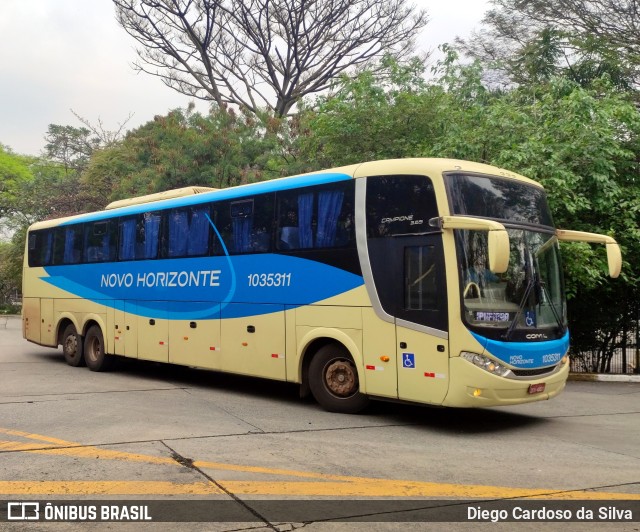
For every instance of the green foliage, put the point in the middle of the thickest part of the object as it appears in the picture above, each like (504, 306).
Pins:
(366, 119)
(580, 142)
(70, 146)
(15, 174)
(185, 149)
(575, 130)
(11, 270)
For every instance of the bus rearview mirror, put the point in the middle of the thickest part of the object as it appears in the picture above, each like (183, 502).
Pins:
(497, 237)
(614, 256)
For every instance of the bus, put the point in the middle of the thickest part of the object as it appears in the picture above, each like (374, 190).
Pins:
(429, 281)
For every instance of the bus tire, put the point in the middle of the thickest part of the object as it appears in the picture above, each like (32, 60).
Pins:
(333, 379)
(72, 346)
(94, 350)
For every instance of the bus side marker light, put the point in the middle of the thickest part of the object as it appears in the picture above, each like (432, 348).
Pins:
(244, 344)
(432, 375)
(384, 358)
(477, 392)
(374, 368)
(276, 355)
(213, 348)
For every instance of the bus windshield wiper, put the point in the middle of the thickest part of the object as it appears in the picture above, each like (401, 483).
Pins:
(530, 285)
(556, 316)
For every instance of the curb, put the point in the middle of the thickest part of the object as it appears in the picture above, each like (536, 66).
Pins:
(600, 377)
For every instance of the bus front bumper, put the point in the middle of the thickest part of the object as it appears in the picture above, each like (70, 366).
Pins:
(471, 386)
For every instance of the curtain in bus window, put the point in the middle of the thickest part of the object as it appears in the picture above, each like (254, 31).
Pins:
(329, 208)
(106, 247)
(305, 216)
(198, 233)
(151, 233)
(45, 257)
(127, 239)
(178, 232)
(242, 234)
(71, 251)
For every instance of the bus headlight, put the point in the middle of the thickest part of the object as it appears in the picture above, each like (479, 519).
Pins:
(485, 363)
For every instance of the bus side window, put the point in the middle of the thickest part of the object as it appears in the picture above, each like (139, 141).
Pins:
(127, 239)
(147, 236)
(400, 205)
(40, 247)
(245, 225)
(420, 278)
(316, 217)
(188, 232)
(68, 245)
(100, 241)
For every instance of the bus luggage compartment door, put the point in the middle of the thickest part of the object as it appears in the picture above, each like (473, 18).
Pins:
(196, 341)
(253, 340)
(153, 332)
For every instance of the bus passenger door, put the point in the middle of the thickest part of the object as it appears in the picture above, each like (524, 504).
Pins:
(423, 366)
(254, 342)
(421, 320)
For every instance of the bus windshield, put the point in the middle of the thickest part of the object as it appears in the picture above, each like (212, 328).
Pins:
(526, 302)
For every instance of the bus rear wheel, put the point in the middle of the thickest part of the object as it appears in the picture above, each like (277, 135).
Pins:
(94, 350)
(72, 347)
(333, 379)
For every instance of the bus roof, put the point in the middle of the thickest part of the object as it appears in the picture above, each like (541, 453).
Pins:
(197, 195)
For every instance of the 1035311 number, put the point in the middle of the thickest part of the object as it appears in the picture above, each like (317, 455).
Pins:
(269, 279)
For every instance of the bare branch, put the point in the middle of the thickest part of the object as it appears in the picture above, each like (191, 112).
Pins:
(252, 53)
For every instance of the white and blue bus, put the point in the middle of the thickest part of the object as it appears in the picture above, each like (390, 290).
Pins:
(425, 280)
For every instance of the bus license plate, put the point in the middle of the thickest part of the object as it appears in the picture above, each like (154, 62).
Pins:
(536, 388)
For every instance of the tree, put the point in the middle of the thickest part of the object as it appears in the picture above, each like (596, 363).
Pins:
(264, 53)
(581, 143)
(70, 146)
(183, 149)
(385, 114)
(524, 41)
(15, 173)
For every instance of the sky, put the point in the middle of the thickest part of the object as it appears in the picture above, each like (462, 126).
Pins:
(63, 55)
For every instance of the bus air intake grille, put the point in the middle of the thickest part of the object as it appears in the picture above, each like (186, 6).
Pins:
(532, 372)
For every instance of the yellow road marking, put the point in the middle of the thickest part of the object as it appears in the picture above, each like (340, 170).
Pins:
(370, 488)
(330, 485)
(106, 487)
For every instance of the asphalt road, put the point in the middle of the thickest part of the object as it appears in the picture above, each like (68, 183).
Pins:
(154, 432)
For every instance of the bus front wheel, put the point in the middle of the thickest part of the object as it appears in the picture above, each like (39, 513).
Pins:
(333, 379)
(72, 346)
(94, 351)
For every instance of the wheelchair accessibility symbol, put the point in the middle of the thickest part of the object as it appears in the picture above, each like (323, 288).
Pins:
(408, 360)
(530, 318)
